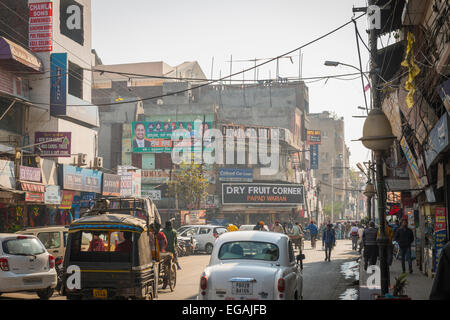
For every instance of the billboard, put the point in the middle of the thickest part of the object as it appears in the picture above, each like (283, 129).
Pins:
(156, 136)
(58, 83)
(262, 194)
(314, 156)
(80, 179)
(111, 184)
(61, 148)
(40, 26)
(313, 137)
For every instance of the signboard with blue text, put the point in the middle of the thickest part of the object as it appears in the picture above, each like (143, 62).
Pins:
(236, 174)
(437, 140)
(58, 83)
(314, 156)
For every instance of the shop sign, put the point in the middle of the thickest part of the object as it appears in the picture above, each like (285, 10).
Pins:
(7, 177)
(152, 194)
(440, 234)
(235, 175)
(126, 187)
(30, 174)
(313, 137)
(155, 176)
(136, 183)
(80, 179)
(33, 187)
(52, 195)
(194, 217)
(437, 140)
(314, 156)
(40, 27)
(60, 148)
(444, 92)
(66, 199)
(411, 160)
(262, 194)
(111, 185)
(58, 84)
(34, 197)
(86, 199)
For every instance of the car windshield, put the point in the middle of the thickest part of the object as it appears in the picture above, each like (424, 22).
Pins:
(23, 247)
(249, 250)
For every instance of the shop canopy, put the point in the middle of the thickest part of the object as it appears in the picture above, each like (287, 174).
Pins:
(16, 58)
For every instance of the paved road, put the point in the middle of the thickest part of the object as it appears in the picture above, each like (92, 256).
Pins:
(322, 280)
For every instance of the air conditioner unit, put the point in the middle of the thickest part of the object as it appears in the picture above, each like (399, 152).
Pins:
(98, 162)
(82, 159)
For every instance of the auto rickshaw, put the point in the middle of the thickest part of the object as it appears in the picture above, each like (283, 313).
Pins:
(114, 246)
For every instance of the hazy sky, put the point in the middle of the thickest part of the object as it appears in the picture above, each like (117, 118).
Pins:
(175, 31)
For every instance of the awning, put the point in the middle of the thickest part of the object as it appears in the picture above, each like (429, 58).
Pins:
(15, 58)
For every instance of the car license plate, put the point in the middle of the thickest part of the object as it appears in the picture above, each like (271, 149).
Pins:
(242, 288)
(100, 293)
(32, 280)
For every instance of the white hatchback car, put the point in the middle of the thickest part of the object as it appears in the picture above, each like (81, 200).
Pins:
(251, 265)
(205, 235)
(25, 265)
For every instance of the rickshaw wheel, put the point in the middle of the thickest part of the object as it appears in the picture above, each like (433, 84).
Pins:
(173, 277)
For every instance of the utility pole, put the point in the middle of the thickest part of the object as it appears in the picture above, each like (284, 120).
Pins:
(317, 202)
(332, 191)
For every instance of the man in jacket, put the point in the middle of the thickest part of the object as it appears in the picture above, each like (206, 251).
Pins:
(172, 241)
(353, 233)
(313, 232)
(370, 245)
(441, 282)
(278, 227)
(328, 241)
(405, 237)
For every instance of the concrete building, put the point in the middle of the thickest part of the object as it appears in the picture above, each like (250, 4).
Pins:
(333, 161)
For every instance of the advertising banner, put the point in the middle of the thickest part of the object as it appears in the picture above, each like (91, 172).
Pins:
(314, 156)
(59, 148)
(262, 194)
(155, 176)
(111, 184)
(151, 193)
(437, 140)
(40, 26)
(235, 175)
(80, 179)
(58, 84)
(34, 197)
(239, 131)
(136, 183)
(30, 174)
(156, 136)
(313, 137)
(52, 195)
(411, 160)
(33, 187)
(66, 199)
(86, 199)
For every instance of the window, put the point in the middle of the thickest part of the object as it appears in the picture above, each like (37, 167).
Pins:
(219, 231)
(75, 80)
(190, 232)
(325, 177)
(249, 250)
(204, 231)
(27, 247)
(291, 252)
(12, 120)
(50, 240)
(102, 246)
(65, 234)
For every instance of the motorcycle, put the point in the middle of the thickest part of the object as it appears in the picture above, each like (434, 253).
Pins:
(59, 273)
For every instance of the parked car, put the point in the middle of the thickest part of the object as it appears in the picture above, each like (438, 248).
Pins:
(53, 238)
(252, 265)
(205, 235)
(25, 265)
(249, 227)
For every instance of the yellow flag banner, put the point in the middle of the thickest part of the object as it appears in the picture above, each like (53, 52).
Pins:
(413, 70)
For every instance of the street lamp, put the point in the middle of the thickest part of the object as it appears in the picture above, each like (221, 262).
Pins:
(336, 63)
(378, 137)
(369, 192)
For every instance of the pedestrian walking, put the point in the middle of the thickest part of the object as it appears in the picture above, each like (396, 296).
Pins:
(312, 228)
(441, 283)
(328, 241)
(353, 234)
(278, 227)
(370, 245)
(405, 237)
(360, 234)
(172, 241)
(259, 226)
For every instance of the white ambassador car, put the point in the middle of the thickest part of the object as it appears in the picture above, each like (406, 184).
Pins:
(25, 265)
(249, 265)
